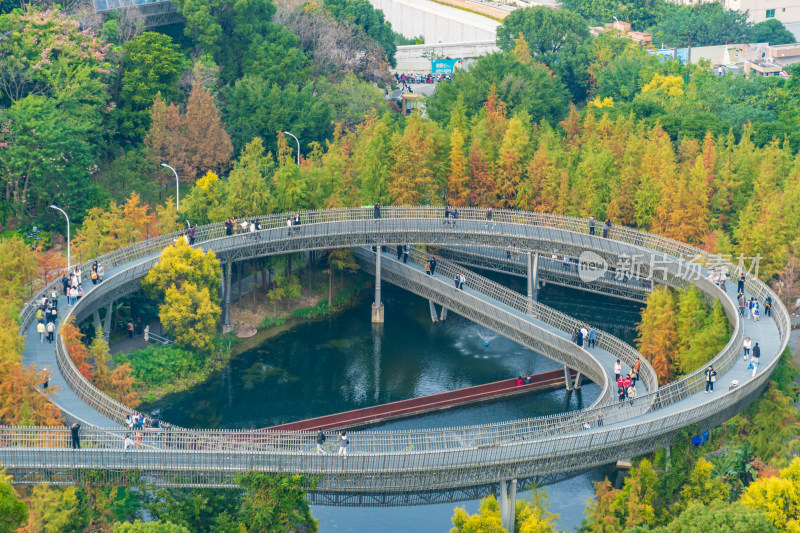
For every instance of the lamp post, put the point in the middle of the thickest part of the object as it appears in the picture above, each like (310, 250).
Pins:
(298, 146)
(69, 250)
(617, 21)
(177, 187)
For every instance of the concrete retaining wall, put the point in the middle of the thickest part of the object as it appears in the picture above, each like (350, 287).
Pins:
(416, 59)
(435, 22)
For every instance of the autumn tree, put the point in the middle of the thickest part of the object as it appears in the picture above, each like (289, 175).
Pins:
(413, 170)
(206, 202)
(101, 355)
(180, 264)
(777, 497)
(511, 161)
(73, 341)
(12, 511)
(208, 145)
(658, 334)
(122, 382)
(458, 177)
(248, 190)
(190, 315)
(600, 515)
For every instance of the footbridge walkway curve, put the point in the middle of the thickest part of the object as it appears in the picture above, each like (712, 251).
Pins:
(408, 466)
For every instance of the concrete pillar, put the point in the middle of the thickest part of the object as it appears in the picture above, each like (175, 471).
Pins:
(533, 275)
(508, 504)
(377, 305)
(377, 336)
(434, 315)
(567, 380)
(226, 311)
(107, 321)
(97, 324)
(443, 316)
(578, 381)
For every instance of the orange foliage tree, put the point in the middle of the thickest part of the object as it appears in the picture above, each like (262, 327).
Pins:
(73, 341)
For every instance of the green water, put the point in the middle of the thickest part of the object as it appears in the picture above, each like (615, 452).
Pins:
(345, 363)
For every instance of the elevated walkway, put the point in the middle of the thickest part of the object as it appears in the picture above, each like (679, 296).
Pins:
(415, 466)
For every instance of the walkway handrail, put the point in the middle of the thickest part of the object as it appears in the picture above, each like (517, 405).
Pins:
(505, 432)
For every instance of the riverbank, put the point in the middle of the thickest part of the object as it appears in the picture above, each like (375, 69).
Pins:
(162, 370)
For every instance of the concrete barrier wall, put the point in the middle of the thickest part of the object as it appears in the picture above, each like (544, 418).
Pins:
(435, 22)
(416, 59)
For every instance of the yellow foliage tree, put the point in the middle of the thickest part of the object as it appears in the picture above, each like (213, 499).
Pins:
(658, 332)
(778, 497)
(180, 264)
(190, 315)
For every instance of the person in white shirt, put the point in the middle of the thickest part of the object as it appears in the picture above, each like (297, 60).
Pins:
(127, 446)
(747, 345)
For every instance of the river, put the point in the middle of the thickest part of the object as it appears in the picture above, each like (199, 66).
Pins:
(344, 363)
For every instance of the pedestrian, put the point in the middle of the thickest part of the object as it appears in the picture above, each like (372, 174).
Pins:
(228, 227)
(711, 377)
(617, 370)
(100, 272)
(519, 381)
(405, 253)
(750, 304)
(446, 215)
(579, 340)
(741, 301)
(51, 329)
(456, 279)
(46, 382)
(756, 313)
(489, 218)
(129, 327)
(320, 441)
(606, 228)
(768, 306)
(621, 394)
(76, 438)
(747, 345)
(433, 266)
(462, 279)
(636, 368)
(128, 444)
(585, 334)
(41, 330)
(756, 357)
(65, 283)
(399, 251)
(591, 225)
(454, 216)
(626, 382)
(740, 284)
(632, 393)
(343, 442)
(600, 418)
(376, 212)
(147, 333)
(94, 276)
(191, 233)
(138, 326)
(428, 267)
(592, 337)
(54, 298)
(575, 335)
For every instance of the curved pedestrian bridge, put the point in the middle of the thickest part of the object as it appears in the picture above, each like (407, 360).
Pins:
(418, 466)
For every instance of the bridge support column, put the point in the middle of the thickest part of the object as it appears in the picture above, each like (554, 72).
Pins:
(578, 381)
(377, 306)
(443, 316)
(508, 503)
(226, 289)
(567, 380)
(434, 315)
(107, 321)
(98, 325)
(533, 283)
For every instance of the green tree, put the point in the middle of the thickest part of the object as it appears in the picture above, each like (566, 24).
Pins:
(248, 190)
(275, 503)
(101, 355)
(636, 502)
(54, 509)
(704, 24)
(209, 510)
(12, 511)
(206, 202)
(600, 511)
(719, 517)
(190, 316)
(701, 487)
(770, 31)
(148, 527)
(558, 38)
(152, 64)
(370, 19)
(523, 87)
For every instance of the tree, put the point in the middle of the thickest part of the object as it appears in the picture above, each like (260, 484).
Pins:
(719, 517)
(12, 511)
(190, 315)
(558, 38)
(275, 503)
(73, 341)
(122, 382)
(208, 145)
(487, 520)
(777, 497)
(701, 487)
(149, 527)
(339, 259)
(413, 170)
(636, 502)
(152, 65)
(770, 31)
(206, 202)
(700, 25)
(248, 190)
(53, 510)
(529, 87)
(458, 177)
(180, 264)
(600, 515)
(658, 333)
(101, 355)
(531, 516)
(370, 19)
(210, 510)
(510, 164)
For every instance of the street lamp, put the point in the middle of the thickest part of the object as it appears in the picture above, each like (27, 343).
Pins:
(177, 187)
(69, 252)
(617, 21)
(298, 147)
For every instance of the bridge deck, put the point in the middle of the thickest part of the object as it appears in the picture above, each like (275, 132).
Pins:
(424, 404)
